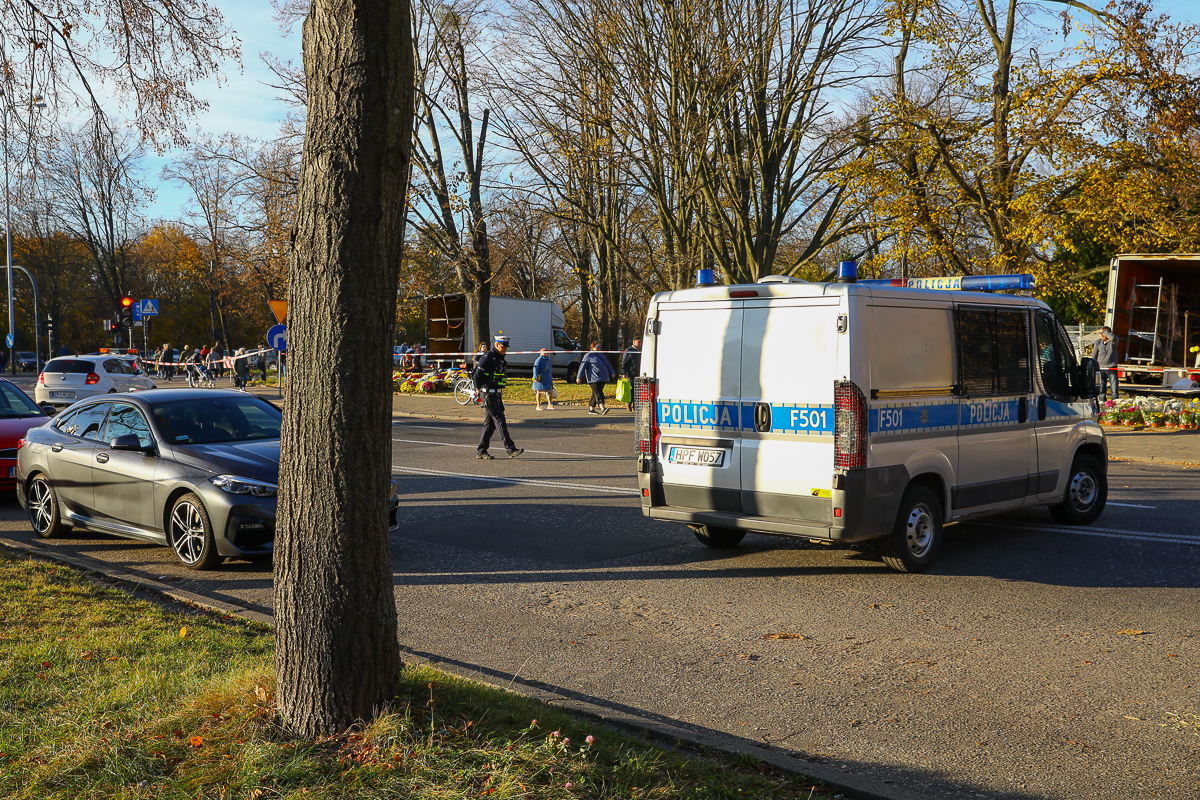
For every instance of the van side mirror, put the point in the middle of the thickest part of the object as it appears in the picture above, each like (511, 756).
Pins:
(1087, 370)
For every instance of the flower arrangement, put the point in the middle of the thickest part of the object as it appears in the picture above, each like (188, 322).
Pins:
(1152, 412)
(423, 382)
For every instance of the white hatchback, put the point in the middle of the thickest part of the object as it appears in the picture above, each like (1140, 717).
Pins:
(67, 380)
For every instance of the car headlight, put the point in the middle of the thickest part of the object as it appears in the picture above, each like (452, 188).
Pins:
(236, 485)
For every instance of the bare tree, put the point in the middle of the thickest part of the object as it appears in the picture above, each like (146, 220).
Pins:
(147, 53)
(337, 658)
(93, 184)
(208, 171)
(447, 200)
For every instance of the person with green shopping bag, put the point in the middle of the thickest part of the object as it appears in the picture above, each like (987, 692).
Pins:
(631, 365)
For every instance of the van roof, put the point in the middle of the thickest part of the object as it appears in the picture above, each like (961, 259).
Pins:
(751, 291)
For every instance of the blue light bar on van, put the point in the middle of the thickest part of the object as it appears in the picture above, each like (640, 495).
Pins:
(705, 277)
(970, 283)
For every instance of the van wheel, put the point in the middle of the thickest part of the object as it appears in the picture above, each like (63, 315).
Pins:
(1087, 492)
(917, 536)
(714, 536)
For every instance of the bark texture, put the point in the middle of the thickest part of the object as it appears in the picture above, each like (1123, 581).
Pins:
(337, 658)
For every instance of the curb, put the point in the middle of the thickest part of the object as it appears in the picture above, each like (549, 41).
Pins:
(666, 731)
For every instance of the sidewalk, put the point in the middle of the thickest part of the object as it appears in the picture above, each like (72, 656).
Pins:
(1154, 445)
(443, 406)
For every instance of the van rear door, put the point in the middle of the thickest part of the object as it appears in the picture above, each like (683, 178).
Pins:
(789, 365)
(698, 363)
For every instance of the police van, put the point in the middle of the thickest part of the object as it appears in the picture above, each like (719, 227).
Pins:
(872, 410)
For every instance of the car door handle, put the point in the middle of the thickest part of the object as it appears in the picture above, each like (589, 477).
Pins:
(102, 458)
(56, 447)
(1023, 409)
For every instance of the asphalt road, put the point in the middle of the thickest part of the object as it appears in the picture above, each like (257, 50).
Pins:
(1009, 670)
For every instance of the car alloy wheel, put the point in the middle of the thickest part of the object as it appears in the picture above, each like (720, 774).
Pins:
(190, 534)
(43, 509)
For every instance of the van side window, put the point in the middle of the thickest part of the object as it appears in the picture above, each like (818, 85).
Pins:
(993, 351)
(1055, 357)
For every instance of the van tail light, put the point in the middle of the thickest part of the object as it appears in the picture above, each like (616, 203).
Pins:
(645, 418)
(849, 426)
(92, 378)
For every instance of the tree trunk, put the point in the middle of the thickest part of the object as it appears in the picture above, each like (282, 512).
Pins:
(337, 658)
(480, 301)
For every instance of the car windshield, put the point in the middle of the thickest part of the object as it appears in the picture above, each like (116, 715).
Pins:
(217, 420)
(15, 403)
(70, 365)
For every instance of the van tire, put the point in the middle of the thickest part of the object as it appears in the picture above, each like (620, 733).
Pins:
(1086, 493)
(917, 536)
(714, 536)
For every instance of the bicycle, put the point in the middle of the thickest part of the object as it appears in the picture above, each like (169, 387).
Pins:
(465, 391)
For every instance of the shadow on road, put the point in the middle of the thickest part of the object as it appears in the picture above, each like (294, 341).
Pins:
(912, 782)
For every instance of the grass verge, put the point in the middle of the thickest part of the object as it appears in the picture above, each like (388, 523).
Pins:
(102, 695)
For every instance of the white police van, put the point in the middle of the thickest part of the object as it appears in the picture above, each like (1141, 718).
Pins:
(854, 410)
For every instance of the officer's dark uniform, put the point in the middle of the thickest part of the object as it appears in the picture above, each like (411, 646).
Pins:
(491, 376)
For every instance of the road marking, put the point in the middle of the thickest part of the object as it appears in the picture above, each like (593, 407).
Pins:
(1108, 533)
(1127, 505)
(589, 487)
(542, 452)
(415, 425)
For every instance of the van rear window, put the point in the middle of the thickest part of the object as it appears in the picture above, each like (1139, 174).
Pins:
(70, 366)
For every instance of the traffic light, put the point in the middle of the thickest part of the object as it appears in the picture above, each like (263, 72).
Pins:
(126, 315)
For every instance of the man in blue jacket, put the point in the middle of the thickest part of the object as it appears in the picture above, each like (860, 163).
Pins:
(491, 376)
(595, 371)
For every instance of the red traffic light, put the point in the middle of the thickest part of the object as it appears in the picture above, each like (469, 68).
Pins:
(126, 302)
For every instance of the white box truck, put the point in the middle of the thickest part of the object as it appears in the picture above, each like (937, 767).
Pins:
(851, 412)
(531, 324)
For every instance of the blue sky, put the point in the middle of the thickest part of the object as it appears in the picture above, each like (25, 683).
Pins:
(248, 106)
(245, 104)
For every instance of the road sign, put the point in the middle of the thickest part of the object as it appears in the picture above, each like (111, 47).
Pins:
(136, 308)
(279, 309)
(9, 340)
(277, 338)
(149, 308)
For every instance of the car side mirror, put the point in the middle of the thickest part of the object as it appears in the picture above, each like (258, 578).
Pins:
(128, 441)
(49, 410)
(1087, 371)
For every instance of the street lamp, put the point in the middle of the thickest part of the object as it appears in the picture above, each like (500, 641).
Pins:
(38, 102)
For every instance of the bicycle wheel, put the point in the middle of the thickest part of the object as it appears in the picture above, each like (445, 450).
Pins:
(464, 391)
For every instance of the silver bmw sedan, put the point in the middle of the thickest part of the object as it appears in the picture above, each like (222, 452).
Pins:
(196, 470)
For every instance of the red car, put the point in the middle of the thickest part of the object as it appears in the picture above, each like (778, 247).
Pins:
(18, 413)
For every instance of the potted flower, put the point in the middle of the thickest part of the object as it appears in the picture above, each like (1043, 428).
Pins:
(1155, 419)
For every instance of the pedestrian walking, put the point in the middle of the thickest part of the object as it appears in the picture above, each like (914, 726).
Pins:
(1105, 353)
(241, 369)
(631, 363)
(543, 380)
(491, 376)
(216, 360)
(262, 361)
(595, 371)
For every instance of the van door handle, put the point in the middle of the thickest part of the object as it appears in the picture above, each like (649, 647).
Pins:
(1041, 407)
(1023, 409)
(102, 458)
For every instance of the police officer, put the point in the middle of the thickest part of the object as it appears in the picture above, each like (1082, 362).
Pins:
(491, 376)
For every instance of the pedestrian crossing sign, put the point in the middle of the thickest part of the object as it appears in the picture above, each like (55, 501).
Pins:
(150, 308)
